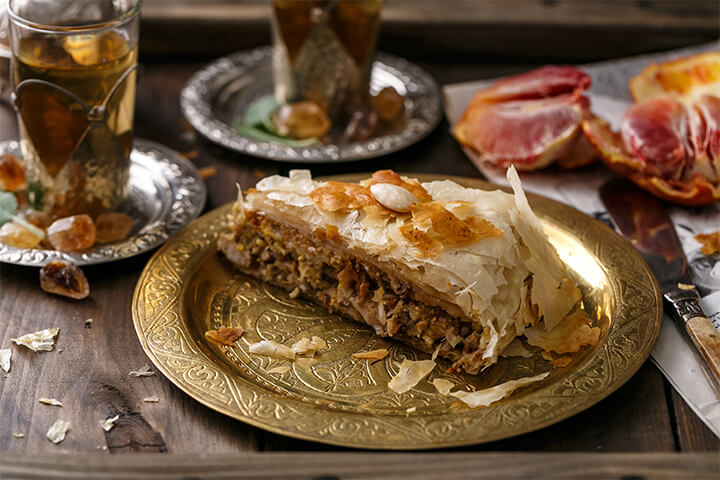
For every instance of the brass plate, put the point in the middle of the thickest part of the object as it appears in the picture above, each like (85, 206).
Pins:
(186, 289)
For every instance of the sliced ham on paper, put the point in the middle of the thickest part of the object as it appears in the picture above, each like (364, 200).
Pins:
(530, 120)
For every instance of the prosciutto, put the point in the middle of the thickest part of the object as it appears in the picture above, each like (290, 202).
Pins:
(668, 147)
(530, 120)
(669, 142)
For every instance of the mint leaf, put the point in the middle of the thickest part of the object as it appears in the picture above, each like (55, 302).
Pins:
(259, 134)
(260, 111)
(8, 206)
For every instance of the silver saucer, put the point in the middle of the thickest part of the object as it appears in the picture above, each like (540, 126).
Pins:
(215, 98)
(166, 193)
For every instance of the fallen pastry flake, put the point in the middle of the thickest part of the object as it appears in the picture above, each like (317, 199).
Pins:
(685, 286)
(225, 335)
(378, 354)
(5, 355)
(710, 242)
(568, 336)
(18, 435)
(410, 374)
(144, 371)
(268, 348)
(88, 323)
(109, 423)
(57, 431)
(40, 341)
(443, 386)
(50, 401)
(547, 356)
(152, 399)
(306, 346)
(487, 396)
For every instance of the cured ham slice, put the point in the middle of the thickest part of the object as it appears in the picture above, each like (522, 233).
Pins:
(667, 147)
(669, 142)
(657, 133)
(530, 120)
(544, 82)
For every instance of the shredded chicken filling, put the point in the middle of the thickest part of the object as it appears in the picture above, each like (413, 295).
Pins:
(285, 257)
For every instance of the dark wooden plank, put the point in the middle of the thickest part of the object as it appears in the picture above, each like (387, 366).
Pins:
(457, 30)
(88, 372)
(692, 13)
(693, 435)
(420, 466)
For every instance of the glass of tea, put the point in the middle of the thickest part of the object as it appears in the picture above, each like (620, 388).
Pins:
(73, 78)
(323, 51)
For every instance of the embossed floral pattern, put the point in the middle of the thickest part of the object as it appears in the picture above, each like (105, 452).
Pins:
(336, 399)
(180, 194)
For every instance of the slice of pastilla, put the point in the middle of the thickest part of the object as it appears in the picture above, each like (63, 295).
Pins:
(453, 271)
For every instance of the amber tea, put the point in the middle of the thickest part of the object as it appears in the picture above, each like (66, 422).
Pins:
(73, 79)
(58, 135)
(323, 52)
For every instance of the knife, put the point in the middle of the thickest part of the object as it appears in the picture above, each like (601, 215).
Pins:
(642, 220)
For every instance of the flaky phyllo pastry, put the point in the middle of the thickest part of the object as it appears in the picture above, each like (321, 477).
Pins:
(452, 271)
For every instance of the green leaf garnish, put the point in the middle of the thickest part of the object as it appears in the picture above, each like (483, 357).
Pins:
(259, 134)
(8, 206)
(257, 123)
(260, 112)
(8, 210)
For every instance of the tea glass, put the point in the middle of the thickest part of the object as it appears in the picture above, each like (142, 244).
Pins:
(73, 77)
(323, 52)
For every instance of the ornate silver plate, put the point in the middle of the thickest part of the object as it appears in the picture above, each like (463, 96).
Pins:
(215, 98)
(166, 193)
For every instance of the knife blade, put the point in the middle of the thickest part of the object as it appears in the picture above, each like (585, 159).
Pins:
(642, 220)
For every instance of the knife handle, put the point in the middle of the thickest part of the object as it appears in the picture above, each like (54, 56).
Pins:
(707, 339)
(687, 310)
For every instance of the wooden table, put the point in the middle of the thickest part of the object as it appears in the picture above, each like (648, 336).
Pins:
(644, 428)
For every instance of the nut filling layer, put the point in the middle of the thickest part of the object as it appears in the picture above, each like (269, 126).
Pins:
(316, 267)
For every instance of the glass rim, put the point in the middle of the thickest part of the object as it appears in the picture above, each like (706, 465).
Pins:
(70, 29)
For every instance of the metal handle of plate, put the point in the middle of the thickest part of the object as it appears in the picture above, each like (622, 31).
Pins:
(686, 310)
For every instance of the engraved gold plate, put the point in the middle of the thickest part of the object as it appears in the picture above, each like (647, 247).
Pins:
(186, 289)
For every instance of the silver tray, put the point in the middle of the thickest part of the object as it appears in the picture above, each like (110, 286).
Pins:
(215, 98)
(166, 193)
